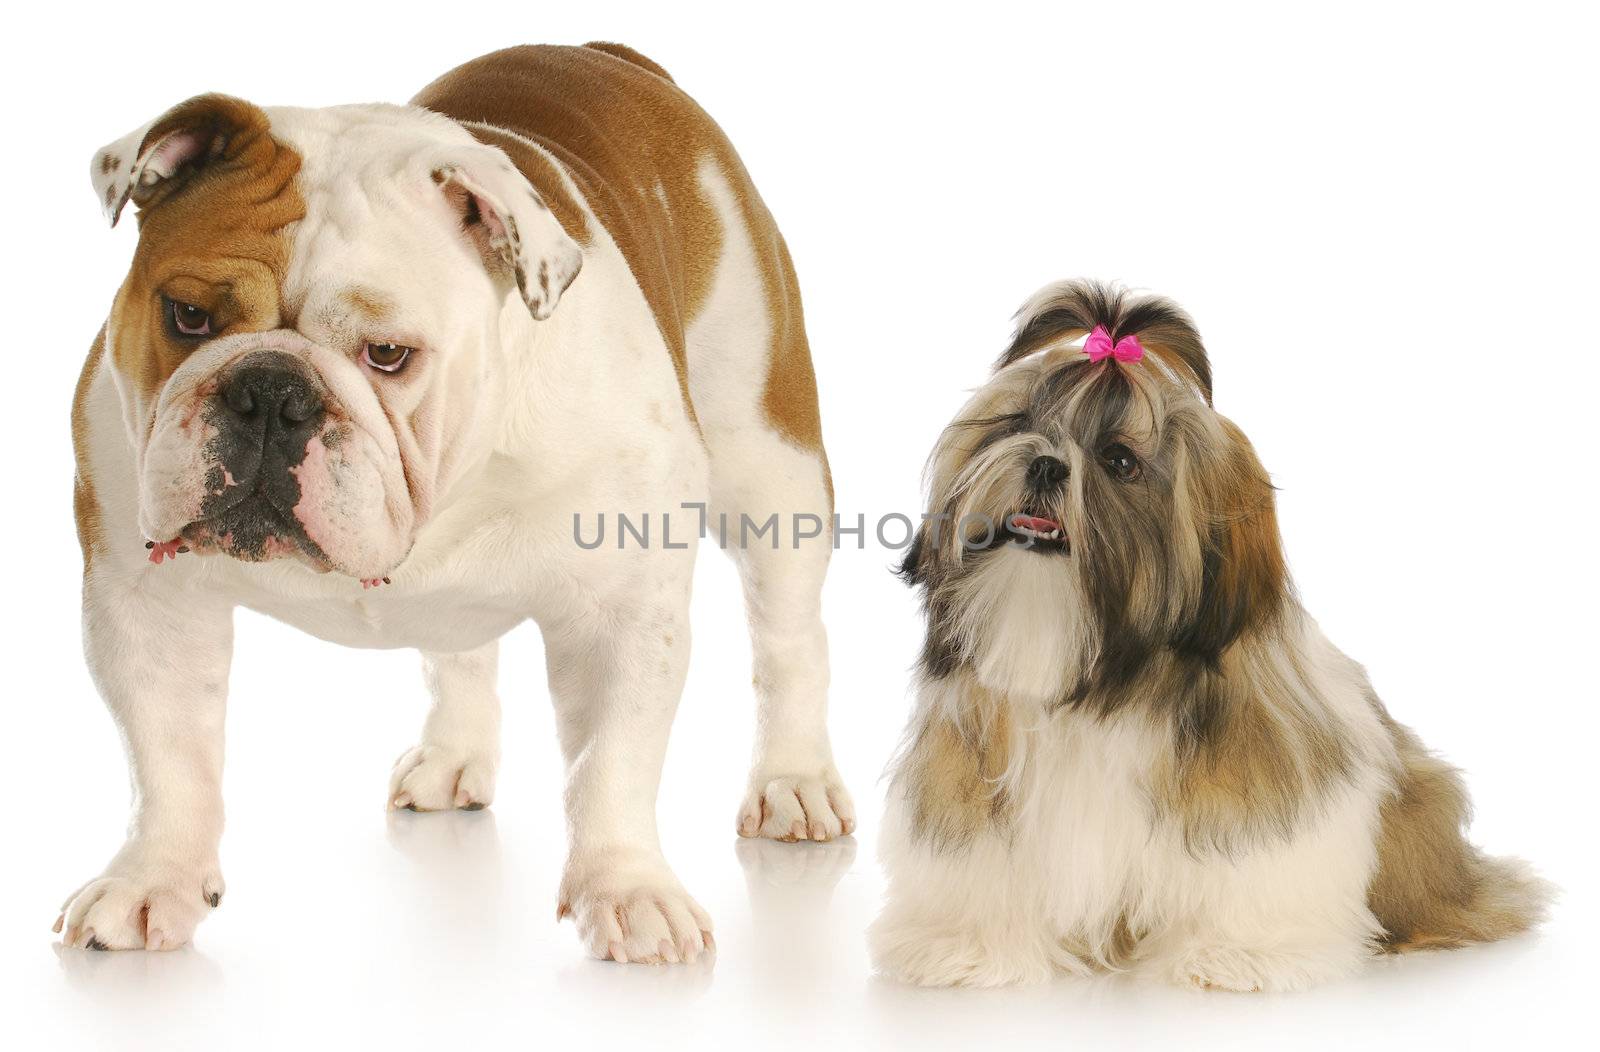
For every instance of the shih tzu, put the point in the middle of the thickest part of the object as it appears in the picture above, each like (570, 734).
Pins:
(1133, 749)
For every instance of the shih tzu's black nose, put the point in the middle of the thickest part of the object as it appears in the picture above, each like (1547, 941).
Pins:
(1046, 473)
(270, 397)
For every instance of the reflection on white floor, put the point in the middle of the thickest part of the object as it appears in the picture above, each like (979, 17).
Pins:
(349, 927)
(444, 939)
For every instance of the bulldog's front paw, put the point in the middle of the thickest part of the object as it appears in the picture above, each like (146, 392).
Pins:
(633, 910)
(139, 904)
(797, 805)
(436, 778)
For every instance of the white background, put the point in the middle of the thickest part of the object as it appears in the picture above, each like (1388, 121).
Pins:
(1383, 219)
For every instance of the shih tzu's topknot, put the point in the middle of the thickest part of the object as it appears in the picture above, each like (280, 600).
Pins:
(1069, 309)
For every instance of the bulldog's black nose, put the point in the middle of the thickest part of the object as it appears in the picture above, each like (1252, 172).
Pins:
(1046, 473)
(270, 397)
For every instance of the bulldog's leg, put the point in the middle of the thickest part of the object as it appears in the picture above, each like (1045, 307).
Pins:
(756, 400)
(794, 792)
(454, 764)
(616, 684)
(160, 658)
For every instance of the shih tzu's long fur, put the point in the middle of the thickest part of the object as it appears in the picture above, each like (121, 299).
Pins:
(1133, 748)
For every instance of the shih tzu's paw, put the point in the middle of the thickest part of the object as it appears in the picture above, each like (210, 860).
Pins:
(634, 911)
(436, 778)
(139, 905)
(797, 805)
(1250, 971)
(926, 955)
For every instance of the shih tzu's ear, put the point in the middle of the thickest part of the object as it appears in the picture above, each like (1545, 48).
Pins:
(1067, 310)
(511, 226)
(1244, 581)
(920, 569)
(160, 158)
(913, 569)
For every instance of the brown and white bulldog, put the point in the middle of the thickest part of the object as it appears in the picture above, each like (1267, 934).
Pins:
(369, 366)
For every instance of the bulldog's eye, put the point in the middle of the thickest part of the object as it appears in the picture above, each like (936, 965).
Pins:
(190, 320)
(386, 357)
(1121, 462)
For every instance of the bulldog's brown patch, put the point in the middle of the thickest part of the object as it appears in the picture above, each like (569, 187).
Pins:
(628, 54)
(369, 304)
(85, 506)
(633, 142)
(213, 236)
(790, 397)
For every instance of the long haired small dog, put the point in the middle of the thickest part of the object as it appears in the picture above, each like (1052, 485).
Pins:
(1133, 748)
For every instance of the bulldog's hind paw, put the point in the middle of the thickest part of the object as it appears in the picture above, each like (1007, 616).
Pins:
(797, 806)
(436, 778)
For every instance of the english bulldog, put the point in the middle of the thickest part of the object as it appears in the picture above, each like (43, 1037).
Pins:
(369, 366)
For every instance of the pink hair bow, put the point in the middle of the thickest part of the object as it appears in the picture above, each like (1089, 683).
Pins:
(1099, 347)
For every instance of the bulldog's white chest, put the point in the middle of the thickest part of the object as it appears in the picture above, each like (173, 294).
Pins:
(434, 620)
(430, 613)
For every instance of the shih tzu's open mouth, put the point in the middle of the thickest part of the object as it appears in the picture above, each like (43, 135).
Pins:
(1037, 533)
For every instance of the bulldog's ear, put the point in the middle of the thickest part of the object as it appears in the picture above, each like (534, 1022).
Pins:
(505, 217)
(157, 159)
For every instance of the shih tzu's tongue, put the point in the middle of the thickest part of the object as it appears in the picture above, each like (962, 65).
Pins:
(1037, 525)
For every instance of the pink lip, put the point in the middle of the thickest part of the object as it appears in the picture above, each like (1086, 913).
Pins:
(161, 550)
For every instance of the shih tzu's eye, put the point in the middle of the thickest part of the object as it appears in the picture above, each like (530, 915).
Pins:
(386, 357)
(189, 320)
(1121, 462)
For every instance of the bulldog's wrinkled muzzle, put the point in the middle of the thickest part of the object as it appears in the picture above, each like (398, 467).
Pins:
(257, 453)
(267, 409)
